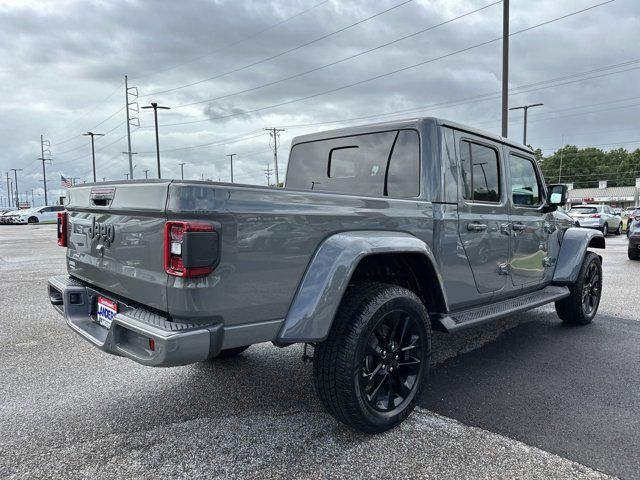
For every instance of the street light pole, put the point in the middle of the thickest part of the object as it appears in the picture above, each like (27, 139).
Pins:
(93, 151)
(526, 109)
(155, 107)
(231, 155)
(146, 173)
(182, 170)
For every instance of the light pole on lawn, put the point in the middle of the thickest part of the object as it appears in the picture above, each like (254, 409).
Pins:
(93, 151)
(526, 109)
(155, 107)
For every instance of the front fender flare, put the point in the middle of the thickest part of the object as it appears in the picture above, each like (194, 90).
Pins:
(327, 277)
(572, 251)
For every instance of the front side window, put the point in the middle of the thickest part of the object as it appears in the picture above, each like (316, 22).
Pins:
(525, 188)
(480, 172)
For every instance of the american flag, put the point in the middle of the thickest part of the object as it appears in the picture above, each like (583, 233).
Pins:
(65, 182)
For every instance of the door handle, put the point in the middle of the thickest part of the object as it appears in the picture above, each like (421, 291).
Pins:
(476, 227)
(518, 227)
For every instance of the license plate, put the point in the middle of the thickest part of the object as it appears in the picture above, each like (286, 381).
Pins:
(107, 310)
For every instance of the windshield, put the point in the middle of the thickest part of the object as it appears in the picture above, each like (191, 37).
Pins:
(584, 210)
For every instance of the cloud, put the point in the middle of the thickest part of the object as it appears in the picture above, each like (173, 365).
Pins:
(64, 64)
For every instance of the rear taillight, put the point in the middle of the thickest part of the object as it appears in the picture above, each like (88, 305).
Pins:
(190, 249)
(595, 215)
(63, 219)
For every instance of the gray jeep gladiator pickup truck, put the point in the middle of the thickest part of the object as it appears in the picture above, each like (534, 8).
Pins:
(382, 233)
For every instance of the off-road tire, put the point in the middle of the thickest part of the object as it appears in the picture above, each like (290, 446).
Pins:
(339, 361)
(571, 309)
(605, 229)
(633, 253)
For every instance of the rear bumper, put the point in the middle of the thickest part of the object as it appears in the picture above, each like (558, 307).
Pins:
(174, 343)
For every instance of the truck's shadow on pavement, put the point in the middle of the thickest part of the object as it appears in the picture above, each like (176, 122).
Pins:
(574, 391)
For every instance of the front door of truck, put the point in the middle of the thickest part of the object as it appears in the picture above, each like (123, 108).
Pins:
(483, 223)
(529, 225)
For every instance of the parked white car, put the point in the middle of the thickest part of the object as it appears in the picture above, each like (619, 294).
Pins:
(6, 217)
(37, 215)
(601, 217)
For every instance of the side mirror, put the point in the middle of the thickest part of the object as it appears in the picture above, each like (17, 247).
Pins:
(557, 195)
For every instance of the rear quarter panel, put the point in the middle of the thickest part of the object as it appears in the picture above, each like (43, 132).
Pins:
(268, 238)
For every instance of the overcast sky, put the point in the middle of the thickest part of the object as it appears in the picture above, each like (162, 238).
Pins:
(62, 67)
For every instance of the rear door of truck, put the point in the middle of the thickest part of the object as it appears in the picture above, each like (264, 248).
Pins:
(116, 239)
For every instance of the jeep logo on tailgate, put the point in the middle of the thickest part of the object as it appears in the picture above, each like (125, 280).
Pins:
(102, 232)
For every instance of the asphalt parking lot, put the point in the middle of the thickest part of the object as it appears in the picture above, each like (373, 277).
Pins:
(521, 398)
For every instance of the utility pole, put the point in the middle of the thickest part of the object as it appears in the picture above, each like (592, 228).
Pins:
(15, 176)
(526, 109)
(505, 68)
(231, 155)
(155, 107)
(12, 197)
(182, 170)
(93, 151)
(44, 142)
(33, 200)
(146, 173)
(130, 91)
(8, 190)
(274, 133)
(267, 172)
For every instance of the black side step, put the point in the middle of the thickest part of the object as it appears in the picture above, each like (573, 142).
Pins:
(475, 316)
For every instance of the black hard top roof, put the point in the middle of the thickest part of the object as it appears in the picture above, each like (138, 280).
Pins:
(406, 123)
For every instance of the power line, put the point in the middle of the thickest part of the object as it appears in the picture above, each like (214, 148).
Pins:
(298, 47)
(224, 141)
(237, 42)
(344, 59)
(92, 128)
(393, 72)
(91, 109)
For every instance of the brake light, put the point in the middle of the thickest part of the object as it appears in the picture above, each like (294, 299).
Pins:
(179, 260)
(595, 215)
(63, 219)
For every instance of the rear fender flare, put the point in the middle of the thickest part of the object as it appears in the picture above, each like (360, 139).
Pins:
(327, 277)
(572, 251)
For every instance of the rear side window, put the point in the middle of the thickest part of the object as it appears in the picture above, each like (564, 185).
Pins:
(480, 172)
(403, 180)
(525, 188)
(376, 164)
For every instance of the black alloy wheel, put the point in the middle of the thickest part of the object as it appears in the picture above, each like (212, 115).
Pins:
(370, 371)
(392, 361)
(583, 301)
(591, 289)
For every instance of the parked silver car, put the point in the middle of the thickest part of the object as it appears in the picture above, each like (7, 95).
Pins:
(601, 217)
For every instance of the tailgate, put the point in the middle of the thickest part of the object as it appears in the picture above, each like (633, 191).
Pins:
(116, 237)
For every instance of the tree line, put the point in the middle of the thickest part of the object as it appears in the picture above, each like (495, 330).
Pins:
(584, 167)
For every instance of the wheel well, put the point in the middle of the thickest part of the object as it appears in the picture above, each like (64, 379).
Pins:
(413, 271)
(596, 242)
